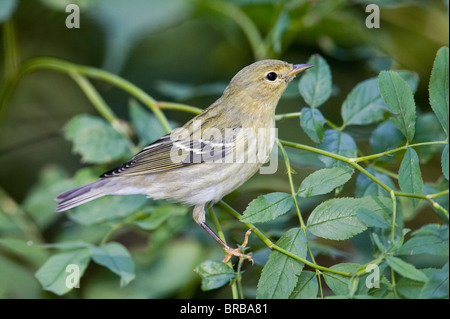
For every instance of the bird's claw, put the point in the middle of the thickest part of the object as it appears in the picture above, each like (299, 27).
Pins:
(237, 251)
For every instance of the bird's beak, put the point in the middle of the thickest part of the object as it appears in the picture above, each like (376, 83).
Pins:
(297, 68)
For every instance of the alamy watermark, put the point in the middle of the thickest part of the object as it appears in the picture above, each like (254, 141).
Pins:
(373, 19)
(373, 279)
(73, 278)
(73, 19)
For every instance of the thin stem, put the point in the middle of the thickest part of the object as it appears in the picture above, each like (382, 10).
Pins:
(421, 196)
(98, 102)
(333, 126)
(11, 60)
(110, 233)
(394, 286)
(352, 162)
(435, 195)
(315, 150)
(271, 245)
(279, 117)
(67, 67)
(439, 207)
(374, 156)
(239, 277)
(215, 220)
(385, 171)
(394, 214)
(10, 64)
(291, 183)
(294, 196)
(429, 198)
(317, 267)
(216, 223)
(338, 157)
(179, 107)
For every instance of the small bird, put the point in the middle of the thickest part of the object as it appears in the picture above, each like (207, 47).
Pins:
(211, 155)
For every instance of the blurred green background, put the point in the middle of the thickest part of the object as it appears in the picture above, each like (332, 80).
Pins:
(186, 51)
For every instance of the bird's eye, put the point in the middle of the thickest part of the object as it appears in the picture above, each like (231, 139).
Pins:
(271, 76)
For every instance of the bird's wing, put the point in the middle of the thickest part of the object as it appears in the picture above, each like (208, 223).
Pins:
(168, 154)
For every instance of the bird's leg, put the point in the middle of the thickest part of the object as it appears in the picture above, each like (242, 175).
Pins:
(199, 217)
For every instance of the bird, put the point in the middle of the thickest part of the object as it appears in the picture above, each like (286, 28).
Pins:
(211, 155)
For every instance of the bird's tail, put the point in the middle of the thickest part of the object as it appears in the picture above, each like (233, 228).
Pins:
(83, 194)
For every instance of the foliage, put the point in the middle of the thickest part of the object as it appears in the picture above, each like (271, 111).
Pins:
(363, 190)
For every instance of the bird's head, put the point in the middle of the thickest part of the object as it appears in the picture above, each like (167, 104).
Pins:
(263, 81)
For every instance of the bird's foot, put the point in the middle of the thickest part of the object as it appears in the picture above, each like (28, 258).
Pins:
(237, 251)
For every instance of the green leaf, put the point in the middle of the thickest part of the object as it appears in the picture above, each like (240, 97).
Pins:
(363, 104)
(315, 85)
(372, 219)
(280, 274)
(160, 214)
(337, 218)
(55, 276)
(437, 285)
(116, 258)
(409, 174)
(95, 140)
(340, 285)
(214, 274)
(338, 143)
(367, 187)
(324, 181)
(307, 286)
(409, 288)
(399, 99)
(444, 161)
(312, 122)
(431, 239)
(267, 207)
(405, 269)
(413, 289)
(386, 137)
(146, 125)
(439, 97)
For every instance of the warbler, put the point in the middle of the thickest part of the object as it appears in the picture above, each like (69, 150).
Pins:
(198, 164)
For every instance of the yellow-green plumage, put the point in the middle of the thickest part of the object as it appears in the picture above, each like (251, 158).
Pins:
(248, 102)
